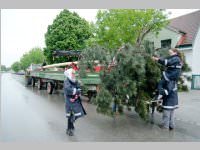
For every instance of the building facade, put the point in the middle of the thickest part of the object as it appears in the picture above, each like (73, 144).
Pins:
(183, 33)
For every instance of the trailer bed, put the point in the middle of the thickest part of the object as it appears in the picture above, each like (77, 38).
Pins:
(91, 78)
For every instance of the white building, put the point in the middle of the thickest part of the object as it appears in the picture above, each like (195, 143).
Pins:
(196, 62)
(183, 33)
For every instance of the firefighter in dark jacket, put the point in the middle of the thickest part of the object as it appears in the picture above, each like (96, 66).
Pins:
(167, 87)
(169, 104)
(173, 64)
(73, 106)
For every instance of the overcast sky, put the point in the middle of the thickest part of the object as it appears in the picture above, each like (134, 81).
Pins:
(24, 29)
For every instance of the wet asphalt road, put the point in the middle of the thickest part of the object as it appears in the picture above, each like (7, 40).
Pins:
(28, 114)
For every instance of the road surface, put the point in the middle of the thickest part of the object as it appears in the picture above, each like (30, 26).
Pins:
(29, 114)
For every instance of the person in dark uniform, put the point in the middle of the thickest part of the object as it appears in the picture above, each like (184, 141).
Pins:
(167, 87)
(73, 106)
(170, 103)
(173, 70)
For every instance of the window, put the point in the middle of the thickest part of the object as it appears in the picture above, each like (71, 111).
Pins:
(166, 43)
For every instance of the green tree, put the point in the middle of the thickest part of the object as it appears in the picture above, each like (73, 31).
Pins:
(16, 66)
(68, 31)
(35, 56)
(116, 27)
(134, 73)
(3, 68)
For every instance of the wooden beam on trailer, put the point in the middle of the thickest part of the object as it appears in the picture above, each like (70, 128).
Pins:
(59, 64)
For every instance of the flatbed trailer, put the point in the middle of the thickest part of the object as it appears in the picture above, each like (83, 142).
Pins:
(51, 78)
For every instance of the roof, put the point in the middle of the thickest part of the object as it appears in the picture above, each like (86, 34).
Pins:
(175, 30)
(188, 24)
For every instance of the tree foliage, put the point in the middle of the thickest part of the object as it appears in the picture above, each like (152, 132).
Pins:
(16, 66)
(68, 31)
(3, 68)
(134, 74)
(116, 27)
(35, 56)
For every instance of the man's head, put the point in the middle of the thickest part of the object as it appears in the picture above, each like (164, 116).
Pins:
(70, 74)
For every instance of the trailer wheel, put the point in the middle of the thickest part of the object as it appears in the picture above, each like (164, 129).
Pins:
(50, 87)
(33, 82)
(39, 84)
(56, 85)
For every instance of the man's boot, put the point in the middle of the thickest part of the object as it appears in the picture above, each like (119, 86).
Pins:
(67, 131)
(71, 132)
